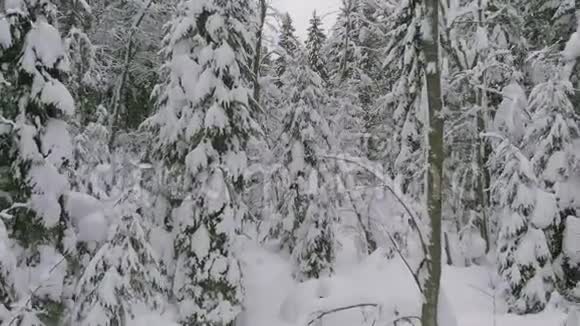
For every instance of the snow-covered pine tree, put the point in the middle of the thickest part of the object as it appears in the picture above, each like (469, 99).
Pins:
(510, 120)
(314, 45)
(75, 21)
(123, 278)
(483, 57)
(551, 140)
(308, 209)
(287, 46)
(202, 126)
(524, 259)
(340, 50)
(36, 147)
(404, 100)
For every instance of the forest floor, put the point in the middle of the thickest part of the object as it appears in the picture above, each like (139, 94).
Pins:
(274, 299)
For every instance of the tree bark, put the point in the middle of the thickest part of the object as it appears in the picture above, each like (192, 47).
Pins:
(482, 151)
(435, 157)
(258, 50)
(344, 61)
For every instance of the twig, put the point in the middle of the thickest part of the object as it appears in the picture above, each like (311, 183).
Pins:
(406, 318)
(398, 250)
(328, 312)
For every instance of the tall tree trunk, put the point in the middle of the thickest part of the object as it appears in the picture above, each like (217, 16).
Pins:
(348, 5)
(258, 50)
(482, 151)
(430, 48)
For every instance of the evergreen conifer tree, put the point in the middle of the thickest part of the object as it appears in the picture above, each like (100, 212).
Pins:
(314, 46)
(203, 126)
(308, 208)
(524, 260)
(36, 149)
(287, 46)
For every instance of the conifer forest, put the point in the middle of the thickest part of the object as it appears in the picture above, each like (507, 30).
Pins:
(204, 163)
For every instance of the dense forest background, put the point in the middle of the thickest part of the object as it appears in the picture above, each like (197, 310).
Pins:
(193, 162)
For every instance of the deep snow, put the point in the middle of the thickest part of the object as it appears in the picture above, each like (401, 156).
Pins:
(273, 298)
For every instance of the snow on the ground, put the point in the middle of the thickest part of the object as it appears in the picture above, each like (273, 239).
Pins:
(273, 298)
(267, 280)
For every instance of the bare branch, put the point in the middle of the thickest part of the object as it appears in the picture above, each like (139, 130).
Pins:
(339, 309)
(407, 319)
(398, 250)
(385, 184)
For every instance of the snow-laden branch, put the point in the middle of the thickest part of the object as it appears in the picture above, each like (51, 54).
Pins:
(5, 213)
(7, 121)
(23, 304)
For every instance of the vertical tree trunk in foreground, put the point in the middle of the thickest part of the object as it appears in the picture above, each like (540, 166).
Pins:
(258, 50)
(430, 48)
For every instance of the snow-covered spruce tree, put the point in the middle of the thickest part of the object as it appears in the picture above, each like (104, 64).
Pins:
(123, 278)
(403, 101)
(551, 140)
(524, 259)
(202, 126)
(287, 46)
(36, 148)
(307, 202)
(356, 43)
(75, 21)
(510, 120)
(314, 46)
(339, 51)
(483, 57)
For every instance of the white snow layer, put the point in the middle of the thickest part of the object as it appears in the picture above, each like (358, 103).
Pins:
(5, 35)
(274, 298)
(56, 142)
(546, 209)
(55, 93)
(572, 49)
(510, 117)
(43, 43)
(571, 236)
(87, 215)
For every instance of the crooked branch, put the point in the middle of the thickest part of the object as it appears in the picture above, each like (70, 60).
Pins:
(385, 184)
(331, 311)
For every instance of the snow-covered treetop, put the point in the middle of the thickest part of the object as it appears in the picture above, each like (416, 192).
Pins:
(205, 102)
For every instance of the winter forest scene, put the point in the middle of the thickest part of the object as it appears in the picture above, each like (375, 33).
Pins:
(289, 163)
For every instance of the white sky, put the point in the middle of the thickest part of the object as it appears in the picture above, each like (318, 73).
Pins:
(301, 11)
